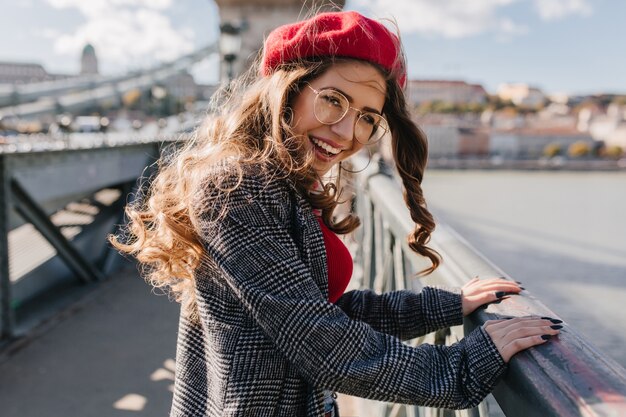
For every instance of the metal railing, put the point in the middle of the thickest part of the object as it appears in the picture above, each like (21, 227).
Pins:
(567, 377)
(91, 88)
(36, 185)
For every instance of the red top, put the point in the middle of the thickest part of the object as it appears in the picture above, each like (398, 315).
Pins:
(339, 263)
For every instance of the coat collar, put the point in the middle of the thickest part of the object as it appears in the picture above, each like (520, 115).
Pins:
(310, 240)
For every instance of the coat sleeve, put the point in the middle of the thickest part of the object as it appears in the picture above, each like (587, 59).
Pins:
(261, 264)
(404, 314)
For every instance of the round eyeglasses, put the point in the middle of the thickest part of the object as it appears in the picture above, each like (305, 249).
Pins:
(330, 107)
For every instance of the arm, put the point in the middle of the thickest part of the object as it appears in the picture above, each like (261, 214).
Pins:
(404, 314)
(261, 264)
(407, 314)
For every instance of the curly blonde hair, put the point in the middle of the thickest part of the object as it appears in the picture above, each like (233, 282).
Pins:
(251, 125)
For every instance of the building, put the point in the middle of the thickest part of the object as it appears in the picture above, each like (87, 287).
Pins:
(455, 92)
(182, 86)
(617, 137)
(529, 143)
(521, 94)
(88, 60)
(473, 142)
(443, 140)
(23, 73)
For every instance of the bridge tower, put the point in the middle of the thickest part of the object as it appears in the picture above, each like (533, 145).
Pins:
(88, 60)
(254, 19)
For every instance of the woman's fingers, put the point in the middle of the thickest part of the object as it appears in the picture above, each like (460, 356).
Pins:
(478, 292)
(514, 335)
(518, 345)
(476, 286)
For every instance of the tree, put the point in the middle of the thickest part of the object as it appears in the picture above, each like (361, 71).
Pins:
(613, 152)
(552, 149)
(579, 149)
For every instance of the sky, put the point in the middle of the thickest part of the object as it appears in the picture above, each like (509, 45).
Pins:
(559, 46)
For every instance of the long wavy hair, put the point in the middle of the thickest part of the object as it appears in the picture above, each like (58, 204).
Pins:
(250, 124)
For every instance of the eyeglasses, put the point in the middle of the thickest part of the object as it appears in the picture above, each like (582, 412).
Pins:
(330, 107)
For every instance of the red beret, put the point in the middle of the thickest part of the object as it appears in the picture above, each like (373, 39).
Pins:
(338, 34)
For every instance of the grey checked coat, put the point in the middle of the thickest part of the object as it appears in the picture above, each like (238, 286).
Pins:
(269, 343)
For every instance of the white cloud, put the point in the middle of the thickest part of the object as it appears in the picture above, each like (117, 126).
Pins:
(447, 18)
(93, 7)
(47, 33)
(558, 9)
(125, 33)
(508, 30)
(207, 70)
(464, 18)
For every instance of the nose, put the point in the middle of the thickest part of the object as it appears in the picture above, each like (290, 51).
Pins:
(344, 128)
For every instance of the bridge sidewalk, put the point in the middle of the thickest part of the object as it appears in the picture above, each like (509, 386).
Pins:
(110, 354)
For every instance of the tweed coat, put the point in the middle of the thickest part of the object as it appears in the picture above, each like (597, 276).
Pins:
(269, 343)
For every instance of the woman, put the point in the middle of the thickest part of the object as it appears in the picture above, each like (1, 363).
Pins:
(239, 225)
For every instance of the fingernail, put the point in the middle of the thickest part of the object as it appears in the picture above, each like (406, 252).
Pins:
(555, 321)
(545, 336)
(500, 294)
(556, 327)
(522, 288)
(518, 282)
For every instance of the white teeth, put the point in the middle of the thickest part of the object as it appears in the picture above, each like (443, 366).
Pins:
(326, 146)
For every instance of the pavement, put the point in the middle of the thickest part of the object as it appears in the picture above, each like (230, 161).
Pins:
(111, 353)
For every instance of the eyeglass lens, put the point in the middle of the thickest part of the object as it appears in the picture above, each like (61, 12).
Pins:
(331, 106)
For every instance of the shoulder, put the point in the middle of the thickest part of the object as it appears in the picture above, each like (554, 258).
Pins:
(233, 187)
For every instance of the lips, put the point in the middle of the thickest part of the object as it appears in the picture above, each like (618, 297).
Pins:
(325, 146)
(323, 150)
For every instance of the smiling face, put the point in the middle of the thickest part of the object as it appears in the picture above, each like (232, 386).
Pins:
(363, 86)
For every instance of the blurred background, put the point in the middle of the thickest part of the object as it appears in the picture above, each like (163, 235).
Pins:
(523, 102)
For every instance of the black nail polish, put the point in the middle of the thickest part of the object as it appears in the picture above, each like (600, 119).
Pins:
(500, 294)
(555, 321)
(519, 282)
(545, 336)
(556, 327)
(522, 288)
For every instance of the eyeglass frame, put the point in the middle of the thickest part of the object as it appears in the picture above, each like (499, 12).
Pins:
(358, 111)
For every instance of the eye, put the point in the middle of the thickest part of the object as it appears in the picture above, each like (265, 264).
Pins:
(331, 99)
(370, 119)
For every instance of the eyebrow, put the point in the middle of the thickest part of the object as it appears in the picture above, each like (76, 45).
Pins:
(351, 100)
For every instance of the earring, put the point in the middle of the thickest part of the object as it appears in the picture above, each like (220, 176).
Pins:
(369, 160)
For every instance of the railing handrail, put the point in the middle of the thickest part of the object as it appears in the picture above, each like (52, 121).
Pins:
(566, 377)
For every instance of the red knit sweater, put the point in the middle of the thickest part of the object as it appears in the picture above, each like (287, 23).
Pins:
(339, 263)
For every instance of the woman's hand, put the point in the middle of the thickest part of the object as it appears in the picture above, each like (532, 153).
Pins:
(514, 335)
(482, 291)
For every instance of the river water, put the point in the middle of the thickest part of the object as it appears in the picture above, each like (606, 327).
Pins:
(562, 234)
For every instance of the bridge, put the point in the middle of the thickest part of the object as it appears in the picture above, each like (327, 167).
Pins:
(81, 332)
(75, 94)
(64, 288)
